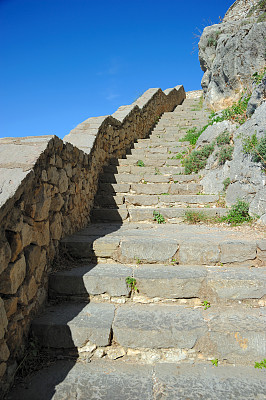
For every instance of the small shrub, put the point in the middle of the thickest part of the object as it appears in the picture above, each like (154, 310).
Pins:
(158, 217)
(197, 159)
(192, 135)
(140, 163)
(238, 214)
(194, 217)
(236, 113)
(255, 147)
(257, 77)
(261, 364)
(206, 304)
(225, 154)
(226, 183)
(215, 362)
(178, 156)
(223, 138)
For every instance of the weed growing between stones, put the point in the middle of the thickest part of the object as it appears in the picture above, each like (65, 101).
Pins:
(226, 183)
(255, 147)
(223, 139)
(140, 163)
(257, 77)
(194, 217)
(235, 113)
(131, 283)
(159, 218)
(261, 364)
(215, 362)
(206, 304)
(197, 159)
(157, 171)
(238, 214)
(225, 154)
(193, 134)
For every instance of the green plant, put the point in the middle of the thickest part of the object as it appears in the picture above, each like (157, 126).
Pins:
(197, 159)
(140, 163)
(223, 138)
(206, 304)
(158, 217)
(178, 156)
(215, 362)
(138, 261)
(157, 171)
(174, 261)
(238, 214)
(194, 217)
(261, 364)
(131, 283)
(262, 17)
(225, 154)
(226, 183)
(258, 76)
(236, 113)
(255, 147)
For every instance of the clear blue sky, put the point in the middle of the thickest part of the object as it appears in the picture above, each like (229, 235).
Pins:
(63, 61)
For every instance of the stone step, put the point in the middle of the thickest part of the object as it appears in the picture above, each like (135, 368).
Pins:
(152, 178)
(116, 213)
(119, 380)
(171, 214)
(161, 283)
(235, 334)
(143, 197)
(160, 188)
(152, 152)
(133, 169)
(154, 243)
(150, 161)
(143, 145)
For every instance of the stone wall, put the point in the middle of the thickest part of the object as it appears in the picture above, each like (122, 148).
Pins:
(47, 189)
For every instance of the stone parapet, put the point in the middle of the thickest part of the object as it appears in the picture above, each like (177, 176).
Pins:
(47, 189)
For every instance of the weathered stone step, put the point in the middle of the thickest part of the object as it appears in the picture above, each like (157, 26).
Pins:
(236, 333)
(134, 169)
(118, 380)
(171, 214)
(168, 146)
(181, 199)
(151, 178)
(116, 213)
(159, 151)
(153, 243)
(161, 282)
(161, 188)
(150, 161)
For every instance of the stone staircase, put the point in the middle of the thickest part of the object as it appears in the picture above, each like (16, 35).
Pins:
(146, 309)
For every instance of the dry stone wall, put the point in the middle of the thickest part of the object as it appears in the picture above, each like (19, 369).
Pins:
(47, 189)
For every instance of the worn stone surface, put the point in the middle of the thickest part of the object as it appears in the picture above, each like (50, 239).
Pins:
(158, 326)
(92, 279)
(3, 319)
(195, 382)
(237, 251)
(173, 281)
(152, 250)
(199, 252)
(236, 335)
(72, 325)
(237, 283)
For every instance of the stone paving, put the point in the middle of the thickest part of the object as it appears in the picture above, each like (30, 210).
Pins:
(154, 339)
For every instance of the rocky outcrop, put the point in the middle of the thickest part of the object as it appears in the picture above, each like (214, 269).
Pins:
(246, 179)
(231, 52)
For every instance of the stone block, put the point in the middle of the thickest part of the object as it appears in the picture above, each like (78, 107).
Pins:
(56, 226)
(57, 202)
(169, 282)
(74, 324)
(11, 306)
(16, 245)
(237, 335)
(4, 352)
(204, 381)
(151, 250)
(13, 276)
(5, 255)
(3, 319)
(150, 326)
(42, 199)
(199, 252)
(92, 279)
(237, 251)
(105, 246)
(237, 283)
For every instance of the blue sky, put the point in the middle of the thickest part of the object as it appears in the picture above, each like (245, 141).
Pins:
(62, 61)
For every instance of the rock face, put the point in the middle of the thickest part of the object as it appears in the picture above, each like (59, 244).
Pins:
(231, 52)
(247, 178)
